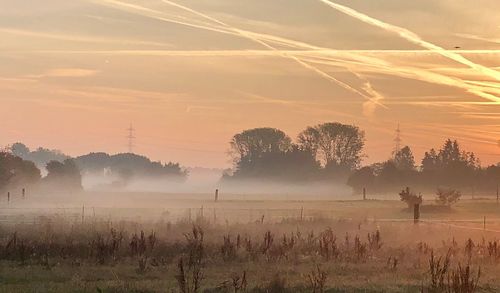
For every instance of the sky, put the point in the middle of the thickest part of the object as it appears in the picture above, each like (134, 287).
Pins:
(189, 74)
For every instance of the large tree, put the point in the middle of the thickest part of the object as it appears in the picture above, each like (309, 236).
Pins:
(64, 175)
(334, 144)
(450, 166)
(252, 144)
(16, 172)
(404, 160)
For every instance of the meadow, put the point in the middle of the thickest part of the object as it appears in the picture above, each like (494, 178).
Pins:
(193, 244)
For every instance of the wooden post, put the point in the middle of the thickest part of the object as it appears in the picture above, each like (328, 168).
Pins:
(216, 195)
(416, 213)
(497, 192)
(24, 192)
(364, 193)
(484, 223)
(8, 196)
(301, 214)
(201, 212)
(83, 214)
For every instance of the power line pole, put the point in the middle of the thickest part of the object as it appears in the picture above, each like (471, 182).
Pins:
(131, 137)
(397, 140)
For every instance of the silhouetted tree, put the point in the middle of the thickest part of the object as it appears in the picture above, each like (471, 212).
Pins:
(404, 160)
(447, 196)
(128, 166)
(362, 178)
(450, 166)
(336, 145)
(16, 172)
(40, 156)
(65, 175)
(269, 154)
(252, 144)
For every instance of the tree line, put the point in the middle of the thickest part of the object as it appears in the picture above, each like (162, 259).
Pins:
(333, 152)
(20, 167)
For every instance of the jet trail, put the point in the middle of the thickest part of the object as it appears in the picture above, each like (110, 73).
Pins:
(357, 59)
(414, 38)
(263, 43)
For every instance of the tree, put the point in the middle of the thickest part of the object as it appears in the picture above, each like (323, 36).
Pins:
(65, 175)
(308, 140)
(334, 144)
(252, 144)
(448, 196)
(15, 172)
(362, 178)
(40, 156)
(128, 165)
(450, 166)
(20, 150)
(404, 160)
(430, 161)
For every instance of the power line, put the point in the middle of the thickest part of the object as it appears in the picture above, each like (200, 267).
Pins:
(131, 138)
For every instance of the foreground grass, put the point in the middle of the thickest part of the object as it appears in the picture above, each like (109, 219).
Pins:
(286, 268)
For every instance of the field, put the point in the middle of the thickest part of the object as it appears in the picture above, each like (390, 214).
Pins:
(122, 243)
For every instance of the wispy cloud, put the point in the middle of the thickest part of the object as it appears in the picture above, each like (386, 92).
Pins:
(479, 38)
(66, 72)
(79, 38)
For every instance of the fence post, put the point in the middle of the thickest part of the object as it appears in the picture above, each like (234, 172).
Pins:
(364, 193)
(23, 191)
(83, 213)
(216, 195)
(201, 213)
(416, 213)
(497, 192)
(8, 196)
(301, 214)
(484, 223)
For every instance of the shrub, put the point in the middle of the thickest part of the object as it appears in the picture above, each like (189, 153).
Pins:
(410, 198)
(447, 197)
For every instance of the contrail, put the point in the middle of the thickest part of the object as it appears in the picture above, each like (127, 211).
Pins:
(375, 99)
(299, 61)
(414, 38)
(362, 59)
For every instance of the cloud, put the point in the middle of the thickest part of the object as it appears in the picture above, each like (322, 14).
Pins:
(66, 72)
(79, 38)
(479, 38)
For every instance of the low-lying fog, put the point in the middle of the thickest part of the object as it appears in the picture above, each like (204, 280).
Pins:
(205, 181)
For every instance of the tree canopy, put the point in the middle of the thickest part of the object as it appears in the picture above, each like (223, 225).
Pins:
(16, 172)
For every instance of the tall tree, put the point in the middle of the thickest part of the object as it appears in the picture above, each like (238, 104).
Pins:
(404, 160)
(252, 144)
(334, 144)
(65, 175)
(15, 171)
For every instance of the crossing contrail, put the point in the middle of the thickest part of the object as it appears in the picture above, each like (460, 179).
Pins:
(374, 100)
(414, 38)
(316, 54)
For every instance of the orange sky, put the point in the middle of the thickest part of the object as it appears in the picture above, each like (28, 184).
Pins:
(190, 74)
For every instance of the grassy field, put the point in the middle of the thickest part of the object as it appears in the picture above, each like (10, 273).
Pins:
(250, 246)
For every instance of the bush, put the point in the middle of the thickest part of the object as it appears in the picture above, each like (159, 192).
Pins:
(447, 197)
(410, 198)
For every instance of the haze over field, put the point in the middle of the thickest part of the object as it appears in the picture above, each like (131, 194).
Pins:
(190, 74)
